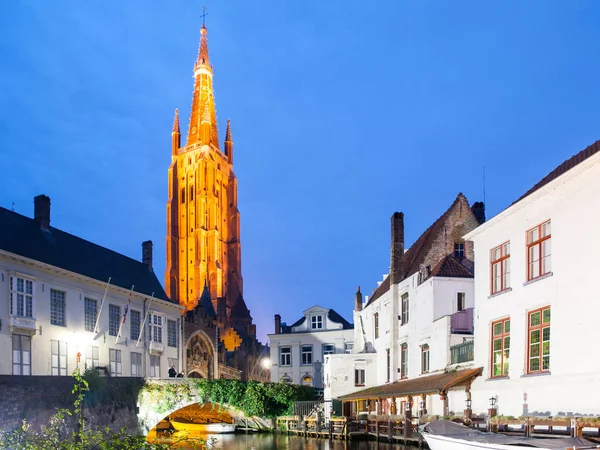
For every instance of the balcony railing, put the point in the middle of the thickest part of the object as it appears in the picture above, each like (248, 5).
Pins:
(462, 322)
(461, 352)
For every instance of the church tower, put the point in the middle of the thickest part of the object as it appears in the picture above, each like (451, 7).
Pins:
(203, 221)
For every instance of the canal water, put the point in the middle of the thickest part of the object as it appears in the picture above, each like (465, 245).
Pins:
(268, 441)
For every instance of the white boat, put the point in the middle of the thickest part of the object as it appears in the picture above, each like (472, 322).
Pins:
(208, 428)
(447, 435)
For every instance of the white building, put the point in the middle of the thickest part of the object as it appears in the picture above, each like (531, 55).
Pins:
(537, 297)
(298, 350)
(417, 326)
(53, 317)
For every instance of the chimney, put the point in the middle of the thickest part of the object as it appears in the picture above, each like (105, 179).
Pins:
(41, 211)
(358, 300)
(277, 324)
(397, 248)
(147, 253)
(478, 210)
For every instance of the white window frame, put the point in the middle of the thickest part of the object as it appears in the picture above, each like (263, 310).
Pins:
(404, 306)
(306, 355)
(360, 374)
(58, 307)
(91, 301)
(135, 336)
(136, 366)
(461, 304)
(171, 333)
(155, 323)
(326, 350)
(154, 368)
(348, 347)
(316, 323)
(92, 357)
(285, 356)
(115, 359)
(21, 360)
(58, 357)
(114, 319)
(21, 300)
(425, 354)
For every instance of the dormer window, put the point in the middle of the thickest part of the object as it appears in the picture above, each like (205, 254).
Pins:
(316, 323)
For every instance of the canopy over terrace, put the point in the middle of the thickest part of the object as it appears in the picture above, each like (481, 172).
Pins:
(438, 384)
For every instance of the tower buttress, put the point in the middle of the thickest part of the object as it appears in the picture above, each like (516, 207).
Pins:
(229, 143)
(175, 134)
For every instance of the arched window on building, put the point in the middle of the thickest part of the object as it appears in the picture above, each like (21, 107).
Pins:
(307, 380)
(286, 379)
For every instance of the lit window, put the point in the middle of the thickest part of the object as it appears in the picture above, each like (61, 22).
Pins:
(500, 347)
(538, 354)
(500, 271)
(539, 251)
(376, 324)
(424, 358)
(404, 315)
(285, 356)
(306, 355)
(307, 380)
(317, 322)
(57, 307)
(21, 297)
(461, 301)
(404, 360)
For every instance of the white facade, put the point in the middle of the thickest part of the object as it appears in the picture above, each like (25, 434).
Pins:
(298, 352)
(564, 378)
(44, 331)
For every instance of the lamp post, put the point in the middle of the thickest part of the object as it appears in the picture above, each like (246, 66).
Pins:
(492, 410)
(468, 411)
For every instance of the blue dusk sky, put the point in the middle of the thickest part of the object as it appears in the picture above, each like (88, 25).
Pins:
(342, 112)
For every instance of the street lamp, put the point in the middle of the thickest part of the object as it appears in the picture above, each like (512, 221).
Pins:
(493, 401)
(468, 403)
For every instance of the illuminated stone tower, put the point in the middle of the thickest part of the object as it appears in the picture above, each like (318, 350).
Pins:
(203, 221)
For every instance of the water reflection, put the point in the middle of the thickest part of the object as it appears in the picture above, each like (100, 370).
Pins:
(267, 441)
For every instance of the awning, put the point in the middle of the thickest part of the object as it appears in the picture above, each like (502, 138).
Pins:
(429, 384)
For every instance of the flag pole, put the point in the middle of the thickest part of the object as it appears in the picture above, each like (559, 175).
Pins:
(124, 315)
(144, 322)
(101, 305)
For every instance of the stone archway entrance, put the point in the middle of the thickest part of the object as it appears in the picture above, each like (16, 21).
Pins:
(201, 357)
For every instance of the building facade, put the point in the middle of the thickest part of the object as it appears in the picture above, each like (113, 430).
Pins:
(417, 324)
(535, 293)
(298, 350)
(203, 270)
(68, 303)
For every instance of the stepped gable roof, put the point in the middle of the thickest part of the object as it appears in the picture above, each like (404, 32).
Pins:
(563, 168)
(425, 384)
(415, 255)
(452, 266)
(24, 237)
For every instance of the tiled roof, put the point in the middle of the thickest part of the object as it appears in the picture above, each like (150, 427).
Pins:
(414, 257)
(564, 167)
(452, 266)
(23, 236)
(426, 384)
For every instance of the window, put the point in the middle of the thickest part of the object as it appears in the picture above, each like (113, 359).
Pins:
(92, 357)
(114, 357)
(114, 318)
(317, 322)
(538, 354)
(348, 347)
(285, 356)
(57, 307)
(359, 376)
(307, 380)
(376, 324)
(136, 364)
(306, 355)
(21, 297)
(538, 251)
(404, 309)
(154, 366)
(59, 357)
(134, 325)
(500, 261)
(389, 363)
(328, 349)
(404, 360)
(461, 301)
(21, 350)
(286, 379)
(182, 195)
(156, 328)
(91, 313)
(424, 358)
(459, 249)
(500, 347)
(171, 333)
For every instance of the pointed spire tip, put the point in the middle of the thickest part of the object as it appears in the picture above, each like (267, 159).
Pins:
(176, 122)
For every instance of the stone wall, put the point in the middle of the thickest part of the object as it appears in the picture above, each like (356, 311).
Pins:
(111, 403)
